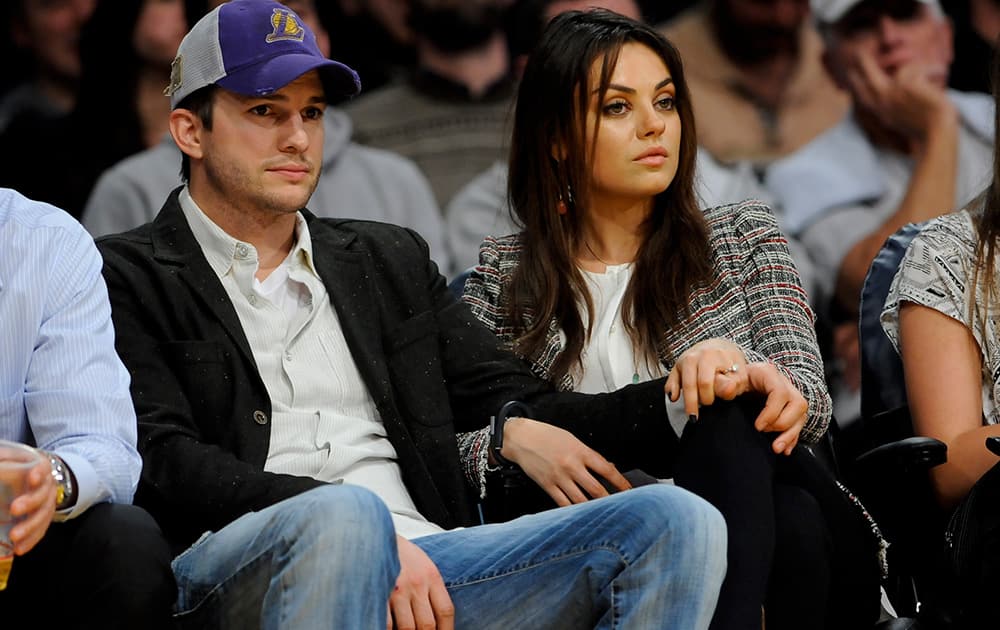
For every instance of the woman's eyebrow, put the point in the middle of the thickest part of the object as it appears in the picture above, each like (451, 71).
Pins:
(628, 90)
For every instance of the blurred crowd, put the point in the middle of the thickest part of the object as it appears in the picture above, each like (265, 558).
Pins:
(848, 118)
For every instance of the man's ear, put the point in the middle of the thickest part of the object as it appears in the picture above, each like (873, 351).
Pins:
(187, 130)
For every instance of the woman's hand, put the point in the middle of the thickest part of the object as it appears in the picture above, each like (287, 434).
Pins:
(558, 462)
(717, 368)
(709, 369)
(785, 410)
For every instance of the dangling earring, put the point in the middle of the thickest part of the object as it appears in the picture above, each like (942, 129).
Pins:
(561, 207)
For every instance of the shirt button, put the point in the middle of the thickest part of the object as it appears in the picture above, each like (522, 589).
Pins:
(288, 356)
(242, 250)
(252, 299)
(260, 417)
(614, 328)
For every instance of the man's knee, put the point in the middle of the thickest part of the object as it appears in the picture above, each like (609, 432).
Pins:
(669, 511)
(339, 519)
(125, 563)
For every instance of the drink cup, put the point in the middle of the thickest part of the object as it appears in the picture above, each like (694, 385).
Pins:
(16, 460)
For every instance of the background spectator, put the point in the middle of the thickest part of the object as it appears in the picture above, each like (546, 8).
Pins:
(46, 35)
(911, 150)
(125, 50)
(450, 116)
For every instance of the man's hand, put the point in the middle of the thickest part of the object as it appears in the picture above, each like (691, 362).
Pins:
(34, 508)
(911, 99)
(420, 599)
(558, 461)
(705, 371)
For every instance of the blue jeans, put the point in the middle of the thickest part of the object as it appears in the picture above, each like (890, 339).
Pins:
(652, 557)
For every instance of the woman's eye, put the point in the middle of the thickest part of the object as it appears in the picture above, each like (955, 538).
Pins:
(616, 108)
(666, 103)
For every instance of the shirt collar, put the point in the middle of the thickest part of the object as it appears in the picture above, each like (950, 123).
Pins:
(222, 250)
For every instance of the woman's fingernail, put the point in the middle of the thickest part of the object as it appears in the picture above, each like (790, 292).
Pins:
(780, 445)
(692, 418)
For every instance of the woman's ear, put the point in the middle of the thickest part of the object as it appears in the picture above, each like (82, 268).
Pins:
(187, 129)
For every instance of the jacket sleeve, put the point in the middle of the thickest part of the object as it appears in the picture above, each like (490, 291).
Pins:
(782, 324)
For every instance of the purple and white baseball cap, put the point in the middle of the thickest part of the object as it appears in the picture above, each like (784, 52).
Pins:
(254, 48)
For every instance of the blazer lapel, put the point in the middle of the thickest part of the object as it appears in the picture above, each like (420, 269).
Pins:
(349, 281)
(174, 243)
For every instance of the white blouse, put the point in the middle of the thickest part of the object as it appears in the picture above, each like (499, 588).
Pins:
(609, 361)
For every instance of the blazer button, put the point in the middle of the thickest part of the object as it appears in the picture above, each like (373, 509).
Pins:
(260, 417)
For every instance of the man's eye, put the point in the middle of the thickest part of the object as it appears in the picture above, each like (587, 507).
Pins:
(261, 110)
(314, 113)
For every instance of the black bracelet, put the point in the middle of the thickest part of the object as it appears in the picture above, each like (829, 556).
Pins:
(513, 408)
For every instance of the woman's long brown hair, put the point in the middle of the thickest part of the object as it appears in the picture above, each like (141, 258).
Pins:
(987, 222)
(550, 163)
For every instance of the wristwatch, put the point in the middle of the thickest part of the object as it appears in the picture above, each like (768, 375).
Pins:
(65, 489)
(511, 409)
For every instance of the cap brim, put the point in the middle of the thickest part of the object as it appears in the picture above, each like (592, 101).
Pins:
(270, 76)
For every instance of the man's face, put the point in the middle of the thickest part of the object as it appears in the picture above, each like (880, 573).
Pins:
(263, 154)
(306, 10)
(894, 33)
(759, 29)
(51, 30)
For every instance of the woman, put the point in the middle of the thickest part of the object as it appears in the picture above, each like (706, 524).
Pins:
(618, 277)
(945, 296)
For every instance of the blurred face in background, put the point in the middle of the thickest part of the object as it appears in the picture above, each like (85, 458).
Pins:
(159, 30)
(895, 33)
(50, 29)
(755, 30)
(306, 9)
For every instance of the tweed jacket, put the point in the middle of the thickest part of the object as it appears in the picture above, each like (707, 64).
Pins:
(204, 412)
(755, 300)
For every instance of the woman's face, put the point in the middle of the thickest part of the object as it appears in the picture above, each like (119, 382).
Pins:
(639, 129)
(159, 31)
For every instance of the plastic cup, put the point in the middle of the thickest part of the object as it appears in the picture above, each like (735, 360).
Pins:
(16, 460)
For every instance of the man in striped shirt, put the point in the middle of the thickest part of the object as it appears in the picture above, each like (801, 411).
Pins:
(79, 546)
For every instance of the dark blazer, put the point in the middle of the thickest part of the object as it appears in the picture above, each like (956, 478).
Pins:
(204, 412)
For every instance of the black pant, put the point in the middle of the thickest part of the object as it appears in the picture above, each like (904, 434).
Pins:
(972, 556)
(108, 568)
(779, 545)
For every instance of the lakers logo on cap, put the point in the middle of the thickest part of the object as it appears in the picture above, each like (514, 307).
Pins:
(286, 27)
(176, 67)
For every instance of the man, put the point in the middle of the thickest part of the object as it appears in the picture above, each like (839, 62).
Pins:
(64, 391)
(910, 150)
(355, 181)
(756, 79)
(450, 116)
(275, 354)
(49, 34)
